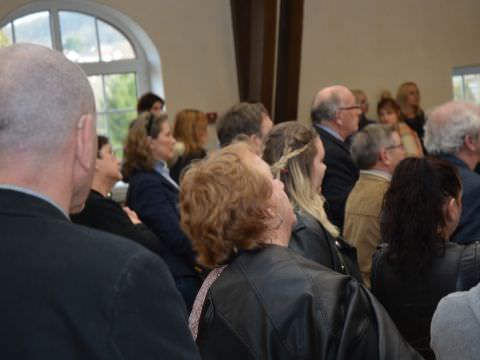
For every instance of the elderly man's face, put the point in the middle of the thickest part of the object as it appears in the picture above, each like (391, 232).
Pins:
(349, 114)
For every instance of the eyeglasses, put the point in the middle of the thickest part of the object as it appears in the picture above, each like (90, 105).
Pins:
(353, 107)
(394, 147)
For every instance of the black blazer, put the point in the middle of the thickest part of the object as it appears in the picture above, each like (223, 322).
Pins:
(155, 200)
(72, 292)
(468, 230)
(340, 176)
(105, 214)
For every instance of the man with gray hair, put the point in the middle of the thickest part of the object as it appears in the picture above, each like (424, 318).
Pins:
(452, 132)
(250, 120)
(335, 115)
(69, 292)
(376, 150)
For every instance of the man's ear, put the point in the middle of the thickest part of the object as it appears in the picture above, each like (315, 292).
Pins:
(384, 156)
(469, 143)
(86, 144)
(257, 144)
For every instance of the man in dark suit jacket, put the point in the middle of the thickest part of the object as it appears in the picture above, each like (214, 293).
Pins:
(69, 292)
(452, 133)
(335, 117)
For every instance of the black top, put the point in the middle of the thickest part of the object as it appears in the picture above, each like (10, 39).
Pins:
(272, 303)
(72, 292)
(183, 161)
(105, 214)
(340, 176)
(412, 300)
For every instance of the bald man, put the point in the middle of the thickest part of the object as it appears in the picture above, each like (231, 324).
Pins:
(335, 115)
(69, 292)
(452, 133)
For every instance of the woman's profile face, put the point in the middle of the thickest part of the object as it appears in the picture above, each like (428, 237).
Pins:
(413, 96)
(278, 202)
(318, 166)
(388, 116)
(107, 163)
(162, 145)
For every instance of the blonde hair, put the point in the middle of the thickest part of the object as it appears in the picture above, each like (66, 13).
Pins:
(402, 94)
(222, 204)
(290, 150)
(188, 128)
(137, 153)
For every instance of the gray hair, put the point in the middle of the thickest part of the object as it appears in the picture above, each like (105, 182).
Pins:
(326, 109)
(42, 97)
(368, 142)
(448, 124)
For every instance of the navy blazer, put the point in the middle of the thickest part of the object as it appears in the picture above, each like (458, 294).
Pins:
(340, 176)
(468, 230)
(155, 200)
(72, 292)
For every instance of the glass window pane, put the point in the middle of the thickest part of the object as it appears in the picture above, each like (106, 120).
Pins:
(102, 125)
(120, 91)
(113, 44)
(34, 28)
(472, 87)
(118, 125)
(79, 37)
(6, 37)
(457, 83)
(97, 86)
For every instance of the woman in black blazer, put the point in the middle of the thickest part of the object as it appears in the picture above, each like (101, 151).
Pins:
(153, 194)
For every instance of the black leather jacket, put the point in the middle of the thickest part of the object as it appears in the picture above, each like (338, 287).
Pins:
(311, 240)
(272, 303)
(411, 302)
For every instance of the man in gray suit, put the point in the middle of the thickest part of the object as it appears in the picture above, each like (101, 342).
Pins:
(69, 292)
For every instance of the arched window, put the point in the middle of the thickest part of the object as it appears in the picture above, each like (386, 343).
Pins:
(109, 47)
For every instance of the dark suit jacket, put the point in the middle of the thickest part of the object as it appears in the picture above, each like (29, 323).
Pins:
(105, 214)
(340, 176)
(71, 292)
(468, 230)
(156, 202)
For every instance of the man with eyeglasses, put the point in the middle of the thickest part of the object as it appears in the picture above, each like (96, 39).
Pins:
(335, 115)
(376, 150)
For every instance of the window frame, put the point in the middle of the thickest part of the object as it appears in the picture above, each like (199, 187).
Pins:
(462, 71)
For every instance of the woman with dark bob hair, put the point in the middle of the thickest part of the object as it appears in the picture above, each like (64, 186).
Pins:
(295, 154)
(419, 265)
(153, 195)
(262, 300)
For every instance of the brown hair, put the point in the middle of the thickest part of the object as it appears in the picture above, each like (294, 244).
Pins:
(222, 204)
(137, 152)
(390, 104)
(188, 128)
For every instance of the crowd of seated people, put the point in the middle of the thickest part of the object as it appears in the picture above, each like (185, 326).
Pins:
(335, 239)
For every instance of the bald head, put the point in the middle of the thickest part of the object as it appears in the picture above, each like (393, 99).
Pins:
(448, 125)
(336, 107)
(42, 98)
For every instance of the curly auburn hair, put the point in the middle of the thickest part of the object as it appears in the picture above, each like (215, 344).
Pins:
(137, 153)
(189, 126)
(223, 204)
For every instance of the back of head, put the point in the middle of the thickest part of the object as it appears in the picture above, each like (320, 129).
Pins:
(448, 124)
(190, 125)
(241, 119)
(413, 217)
(222, 204)
(137, 152)
(368, 142)
(326, 103)
(290, 150)
(42, 98)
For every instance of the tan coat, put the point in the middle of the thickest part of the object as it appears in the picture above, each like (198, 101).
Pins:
(362, 218)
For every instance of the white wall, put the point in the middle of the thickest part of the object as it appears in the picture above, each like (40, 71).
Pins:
(378, 44)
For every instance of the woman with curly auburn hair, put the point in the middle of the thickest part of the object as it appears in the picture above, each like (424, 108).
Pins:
(295, 154)
(261, 300)
(153, 195)
(190, 131)
(419, 265)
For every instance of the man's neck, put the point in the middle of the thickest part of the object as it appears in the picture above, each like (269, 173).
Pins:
(332, 129)
(468, 157)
